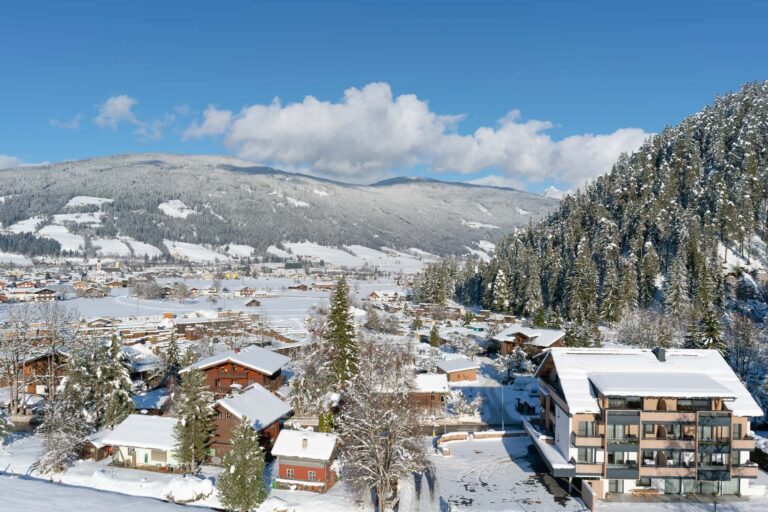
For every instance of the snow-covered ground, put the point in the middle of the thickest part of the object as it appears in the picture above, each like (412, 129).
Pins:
(68, 241)
(32, 495)
(240, 251)
(141, 248)
(78, 218)
(175, 208)
(478, 225)
(87, 201)
(16, 259)
(111, 247)
(193, 252)
(29, 225)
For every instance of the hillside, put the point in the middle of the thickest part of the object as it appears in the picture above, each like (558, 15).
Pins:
(678, 227)
(155, 203)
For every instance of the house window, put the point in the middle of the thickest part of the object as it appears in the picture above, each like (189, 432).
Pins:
(587, 428)
(585, 455)
(159, 456)
(228, 416)
(289, 472)
(737, 430)
(312, 476)
(616, 486)
(648, 429)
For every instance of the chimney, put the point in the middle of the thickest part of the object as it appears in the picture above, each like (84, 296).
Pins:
(660, 353)
(304, 443)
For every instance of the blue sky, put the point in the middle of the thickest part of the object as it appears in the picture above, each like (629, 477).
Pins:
(571, 69)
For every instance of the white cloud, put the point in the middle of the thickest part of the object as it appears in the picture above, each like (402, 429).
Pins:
(8, 161)
(72, 124)
(215, 122)
(370, 132)
(116, 110)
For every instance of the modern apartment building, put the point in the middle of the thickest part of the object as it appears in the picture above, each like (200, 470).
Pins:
(645, 422)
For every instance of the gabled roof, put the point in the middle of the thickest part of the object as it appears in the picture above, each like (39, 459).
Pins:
(256, 358)
(538, 337)
(139, 431)
(291, 443)
(431, 383)
(457, 365)
(256, 403)
(688, 373)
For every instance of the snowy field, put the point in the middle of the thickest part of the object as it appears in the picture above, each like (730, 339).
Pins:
(39, 496)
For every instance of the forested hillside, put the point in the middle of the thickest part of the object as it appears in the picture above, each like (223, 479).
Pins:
(217, 201)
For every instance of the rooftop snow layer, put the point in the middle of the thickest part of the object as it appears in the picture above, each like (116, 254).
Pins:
(679, 385)
(538, 337)
(256, 358)
(319, 445)
(431, 383)
(139, 431)
(256, 403)
(457, 365)
(575, 367)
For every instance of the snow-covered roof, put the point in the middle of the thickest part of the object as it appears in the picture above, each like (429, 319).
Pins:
(457, 365)
(679, 385)
(643, 373)
(431, 383)
(256, 403)
(291, 443)
(537, 337)
(255, 358)
(139, 431)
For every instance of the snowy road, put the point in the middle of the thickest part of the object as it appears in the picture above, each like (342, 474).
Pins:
(39, 496)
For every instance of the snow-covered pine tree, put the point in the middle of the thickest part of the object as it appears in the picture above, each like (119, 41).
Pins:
(6, 427)
(172, 357)
(500, 300)
(64, 430)
(241, 484)
(676, 298)
(116, 385)
(340, 334)
(193, 431)
(710, 332)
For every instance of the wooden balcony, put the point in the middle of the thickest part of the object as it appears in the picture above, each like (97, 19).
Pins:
(744, 471)
(746, 443)
(595, 441)
(666, 471)
(668, 416)
(667, 444)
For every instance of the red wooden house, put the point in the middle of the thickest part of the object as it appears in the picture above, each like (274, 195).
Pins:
(305, 460)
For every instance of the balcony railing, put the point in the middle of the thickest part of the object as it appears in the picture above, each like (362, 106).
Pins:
(594, 440)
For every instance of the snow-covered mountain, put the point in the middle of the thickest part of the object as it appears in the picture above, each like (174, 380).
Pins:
(155, 203)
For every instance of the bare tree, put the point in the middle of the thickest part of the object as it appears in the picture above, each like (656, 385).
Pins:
(58, 329)
(181, 292)
(15, 349)
(379, 425)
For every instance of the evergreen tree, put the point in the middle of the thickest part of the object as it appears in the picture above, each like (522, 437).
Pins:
(711, 332)
(193, 431)
(241, 484)
(172, 357)
(500, 301)
(434, 336)
(340, 334)
(116, 385)
(676, 298)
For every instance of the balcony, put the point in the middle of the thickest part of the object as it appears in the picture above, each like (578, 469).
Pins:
(626, 471)
(744, 471)
(593, 441)
(744, 443)
(667, 472)
(231, 375)
(669, 443)
(715, 418)
(715, 445)
(714, 473)
(623, 417)
(588, 468)
(623, 444)
(668, 417)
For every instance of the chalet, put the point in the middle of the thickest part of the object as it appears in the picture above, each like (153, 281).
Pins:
(263, 411)
(532, 340)
(305, 460)
(28, 294)
(253, 303)
(246, 291)
(384, 296)
(37, 369)
(93, 292)
(459, 369)
(143, 442)
(93, 448)
(429, 391)
(240, 368)
(645, 423)
(26, 284)
(323, 286)
(80, 286)
(114, 284)
(299, 288)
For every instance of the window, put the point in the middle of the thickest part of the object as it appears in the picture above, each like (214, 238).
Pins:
(634, 402)
(737, 431)
(585, 455)
(648, 429)
(289, 473)
(644, 482)
(587, 428)
(735, 458)
(616, 403)
(616, 486)
(312, 476)
(158, 456)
